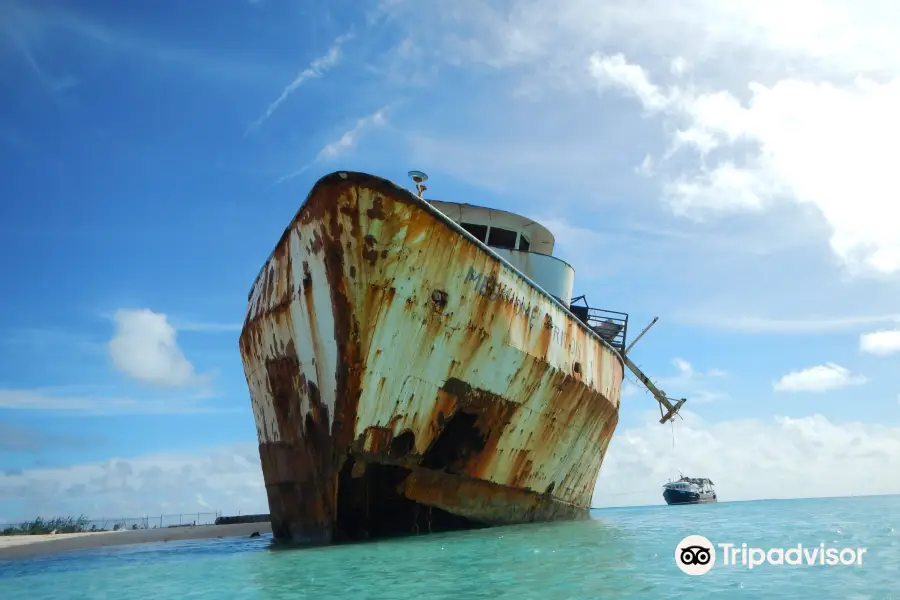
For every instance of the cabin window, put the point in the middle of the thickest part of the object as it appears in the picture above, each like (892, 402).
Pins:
(502, 238)
(524, 244)
(479, 231)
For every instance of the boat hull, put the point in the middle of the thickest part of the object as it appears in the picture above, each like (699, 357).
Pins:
(404, 378)
(685, 497)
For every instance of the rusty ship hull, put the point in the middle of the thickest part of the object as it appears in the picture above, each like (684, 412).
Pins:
(405, 378)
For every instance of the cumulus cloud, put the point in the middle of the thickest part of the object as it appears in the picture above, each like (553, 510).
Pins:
(837, 36)
(880, 343)
(762, 106)
(226, 478)
(144, 347)
(821, 378)
(749, 459)
(752, 459)
(818, 144)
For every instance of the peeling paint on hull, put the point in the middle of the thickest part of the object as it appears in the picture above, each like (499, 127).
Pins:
(404, 378)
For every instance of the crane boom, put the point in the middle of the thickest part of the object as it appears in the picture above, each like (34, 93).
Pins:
(664, 402)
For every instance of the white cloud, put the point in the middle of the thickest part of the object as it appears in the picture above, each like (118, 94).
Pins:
(698, 387)
(614, 71)
(348, 139)
(753, 324)
(751, 459)
(346, 142)
(19, 438)
(144, 347)
(315, 69)
(821, 378)
(629, 389)
(55, 32)
(816, 143)
(226, 478)
(881, 343)
(646, 168)
(748, 459)
(678, 66)
(777, 111)
(839, 36)
(52, 400)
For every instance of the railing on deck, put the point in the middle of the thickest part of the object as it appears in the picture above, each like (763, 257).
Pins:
(611, 325)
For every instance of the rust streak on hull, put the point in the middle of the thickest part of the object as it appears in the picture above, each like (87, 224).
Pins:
(405, 379)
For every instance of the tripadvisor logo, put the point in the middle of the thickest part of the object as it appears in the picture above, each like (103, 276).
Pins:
(696, 555)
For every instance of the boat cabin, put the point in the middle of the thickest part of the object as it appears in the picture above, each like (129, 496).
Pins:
(528, 246)
(525, 244)
(681, 486)
(691, 483)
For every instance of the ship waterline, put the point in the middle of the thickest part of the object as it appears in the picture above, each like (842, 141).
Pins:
(404, 377)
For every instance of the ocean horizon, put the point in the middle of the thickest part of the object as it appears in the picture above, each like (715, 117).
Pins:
(623, 552)
(721, 501)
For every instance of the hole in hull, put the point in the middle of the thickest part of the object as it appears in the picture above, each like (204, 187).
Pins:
(371, 507)
(459, 438)
(402, 445)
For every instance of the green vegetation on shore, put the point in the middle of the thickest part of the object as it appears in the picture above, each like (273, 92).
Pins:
(59, 525)
(82, 524)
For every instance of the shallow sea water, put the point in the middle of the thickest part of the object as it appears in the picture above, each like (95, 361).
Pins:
(620, 553)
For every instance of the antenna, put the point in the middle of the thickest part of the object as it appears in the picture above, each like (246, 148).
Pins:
(420, 178)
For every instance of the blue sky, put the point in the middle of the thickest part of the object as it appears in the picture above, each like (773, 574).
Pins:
(733, 181)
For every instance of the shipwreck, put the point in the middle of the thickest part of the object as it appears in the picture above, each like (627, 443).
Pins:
(419, 365)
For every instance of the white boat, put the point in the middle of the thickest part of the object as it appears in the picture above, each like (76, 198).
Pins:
(690, 490)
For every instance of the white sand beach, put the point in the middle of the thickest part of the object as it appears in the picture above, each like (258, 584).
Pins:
(7, 541)
(22, 546)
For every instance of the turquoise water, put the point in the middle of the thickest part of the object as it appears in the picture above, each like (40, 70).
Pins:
(620, 553)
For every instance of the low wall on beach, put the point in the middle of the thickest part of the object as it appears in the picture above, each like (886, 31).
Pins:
(242, 519)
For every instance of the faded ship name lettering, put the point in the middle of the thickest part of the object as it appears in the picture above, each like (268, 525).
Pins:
(489, 287)
(563, 338)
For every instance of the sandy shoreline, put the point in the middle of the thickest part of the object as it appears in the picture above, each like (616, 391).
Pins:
(25, 546)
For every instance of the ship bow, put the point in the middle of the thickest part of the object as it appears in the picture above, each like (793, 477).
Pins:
(403, 378)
